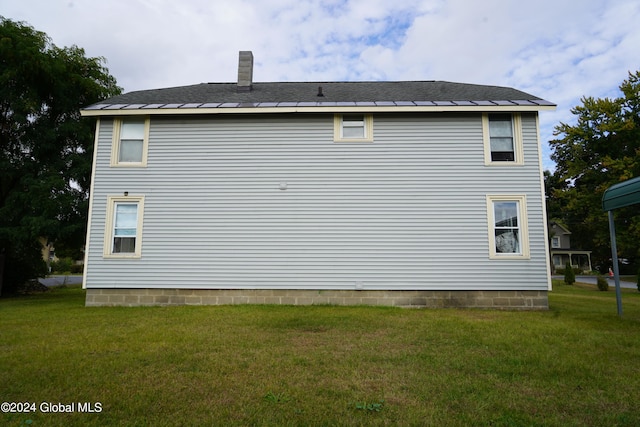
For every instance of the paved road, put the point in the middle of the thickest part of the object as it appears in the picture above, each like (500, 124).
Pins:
(60, 280)
(593, 279)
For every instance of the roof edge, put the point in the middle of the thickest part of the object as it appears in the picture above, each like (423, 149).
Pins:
(284, 107)
(622, 194)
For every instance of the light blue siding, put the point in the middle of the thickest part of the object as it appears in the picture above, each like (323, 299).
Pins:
(407, 211)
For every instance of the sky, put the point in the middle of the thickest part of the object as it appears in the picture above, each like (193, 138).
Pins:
(558, 50)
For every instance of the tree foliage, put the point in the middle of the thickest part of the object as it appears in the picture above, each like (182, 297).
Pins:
(601, 149)
(46, 147)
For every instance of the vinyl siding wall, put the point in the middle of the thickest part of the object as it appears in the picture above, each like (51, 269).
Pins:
(407, 211)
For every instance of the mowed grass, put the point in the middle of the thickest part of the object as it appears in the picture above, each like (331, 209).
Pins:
(574, 365)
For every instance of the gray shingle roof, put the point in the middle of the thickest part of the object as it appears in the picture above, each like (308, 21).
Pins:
(305, 94)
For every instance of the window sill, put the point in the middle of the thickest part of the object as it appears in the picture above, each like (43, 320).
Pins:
(128, 165)
(510, 257)
(122, 256)
(356, 140)
(504, 164)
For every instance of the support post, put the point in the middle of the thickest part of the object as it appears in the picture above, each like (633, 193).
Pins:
(614, 259)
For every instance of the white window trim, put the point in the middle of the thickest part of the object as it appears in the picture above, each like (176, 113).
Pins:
(555, 242)
(368, 129)
(516, 122)
(115, 145)
(109, 230)
(525, 252)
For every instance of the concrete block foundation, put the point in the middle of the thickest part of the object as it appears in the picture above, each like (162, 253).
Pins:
(505, 300)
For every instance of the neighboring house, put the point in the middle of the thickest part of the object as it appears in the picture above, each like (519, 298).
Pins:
(48, 251)
(419, 193)
(562, 252)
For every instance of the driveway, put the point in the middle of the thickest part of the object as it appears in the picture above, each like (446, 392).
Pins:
(593, 280)
(60, 280)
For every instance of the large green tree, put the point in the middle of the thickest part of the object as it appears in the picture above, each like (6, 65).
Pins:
(601, 149)
(45, 146)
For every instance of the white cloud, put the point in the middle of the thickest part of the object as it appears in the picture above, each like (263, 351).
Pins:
(559, 50)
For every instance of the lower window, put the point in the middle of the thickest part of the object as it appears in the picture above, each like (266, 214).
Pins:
(123, 233)
(508, 231)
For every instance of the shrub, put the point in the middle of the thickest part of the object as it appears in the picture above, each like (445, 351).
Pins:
(602, 283)
(562, 271)
(22, 261)
(77, 269)
(638, 279)
(63, 265)
(569, 275)
(628, 268)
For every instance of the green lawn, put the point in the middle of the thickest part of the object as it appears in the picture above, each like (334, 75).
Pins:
(574, 365)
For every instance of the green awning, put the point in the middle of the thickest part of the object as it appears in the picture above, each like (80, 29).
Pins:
(623, 194)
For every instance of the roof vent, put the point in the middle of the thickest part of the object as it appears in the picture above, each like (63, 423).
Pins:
(320, 91)
(245, 71)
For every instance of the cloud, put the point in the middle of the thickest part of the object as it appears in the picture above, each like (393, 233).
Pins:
(559, 50)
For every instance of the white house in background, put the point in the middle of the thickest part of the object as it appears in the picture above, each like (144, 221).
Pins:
(562, 252)
(415, 193)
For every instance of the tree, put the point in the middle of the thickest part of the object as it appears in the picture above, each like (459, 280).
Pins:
(46, 147)
(601, 149)
(553, 186)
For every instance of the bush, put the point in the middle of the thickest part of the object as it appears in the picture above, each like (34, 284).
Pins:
(22, 261)
(569, 275)
(77, 269)
(638, 279)
(576, 271)
(602, 283)
(63, 265)
(628, 269)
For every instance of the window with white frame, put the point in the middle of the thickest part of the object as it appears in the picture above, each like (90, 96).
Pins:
(508, 231)
(502, 138)
(130, 141)
(555, 242)
(123, 233)
(353, 128)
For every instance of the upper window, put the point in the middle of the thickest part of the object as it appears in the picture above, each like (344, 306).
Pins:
(130, 141)
(123, 232)
(353, 127)
(502, 138)
(508, 233)
(555, 242)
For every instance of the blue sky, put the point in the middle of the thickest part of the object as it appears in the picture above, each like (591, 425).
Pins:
(559, 50)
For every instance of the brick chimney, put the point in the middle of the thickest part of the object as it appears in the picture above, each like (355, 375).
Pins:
(245, 71)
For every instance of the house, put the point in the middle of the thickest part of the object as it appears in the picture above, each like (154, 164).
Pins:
(416, 193)
(47, 250)
(562, 252)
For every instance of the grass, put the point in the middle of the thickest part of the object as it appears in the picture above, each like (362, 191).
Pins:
(574, 365)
